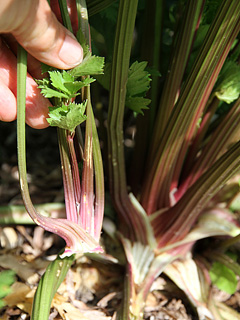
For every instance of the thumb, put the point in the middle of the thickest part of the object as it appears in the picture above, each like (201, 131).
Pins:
(37, 29)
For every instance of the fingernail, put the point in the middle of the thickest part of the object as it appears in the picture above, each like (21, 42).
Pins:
(71, 52)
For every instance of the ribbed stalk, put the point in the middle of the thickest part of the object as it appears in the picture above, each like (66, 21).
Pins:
(179, 130)
(151, 52)
(117, 175)
(176, 222)
(86, 215)
(217, 144)
(181, 52)
(69, 190)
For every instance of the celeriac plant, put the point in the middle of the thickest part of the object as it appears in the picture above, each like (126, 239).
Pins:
(182, 165)
(182, 157)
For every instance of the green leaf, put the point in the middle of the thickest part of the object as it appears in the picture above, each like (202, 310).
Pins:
(137, 85)
(7, 278)
(58, 79)
(67, 117)
(47, 91)
(90, 65)
(50, 93)
(137, 104)
(138, 79)
(223, 277)
(43, 83)
(77, 85)
(48, 285)
(62, 85)
(228, 83)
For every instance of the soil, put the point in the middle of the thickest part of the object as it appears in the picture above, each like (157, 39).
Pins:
(91, 290)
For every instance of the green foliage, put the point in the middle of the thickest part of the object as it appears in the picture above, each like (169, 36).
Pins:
(138, 79)
(48, 92)
(137, 86)
(91, 65)
(64, 85)
(48, 285)
(223, 277)
(7, 278)
(228, 84)
(67, 116)
(137, 104)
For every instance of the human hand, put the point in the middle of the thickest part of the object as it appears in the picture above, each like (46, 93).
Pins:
(32, 24)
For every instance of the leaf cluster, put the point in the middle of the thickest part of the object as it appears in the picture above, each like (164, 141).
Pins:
(63, 86)
(137, 86)
(138, 83)
(67, 116)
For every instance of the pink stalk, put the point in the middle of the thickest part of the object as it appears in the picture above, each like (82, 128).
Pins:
(192, 99)
(180, 218)
(218, 144)
(69, 190)
(75, 170)
(86, 207)
(195, 146)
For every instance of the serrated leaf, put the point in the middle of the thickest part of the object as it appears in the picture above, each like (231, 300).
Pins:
(67, 77)
(153, 71)
(57, 80)
(47, 91)
(137, 104)
(223, 277)
(62, 85)
(77, 85)
(90, 65)
(137, 85)
(50, 93)
(43, 83)
(138, 79)
(67, 119)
